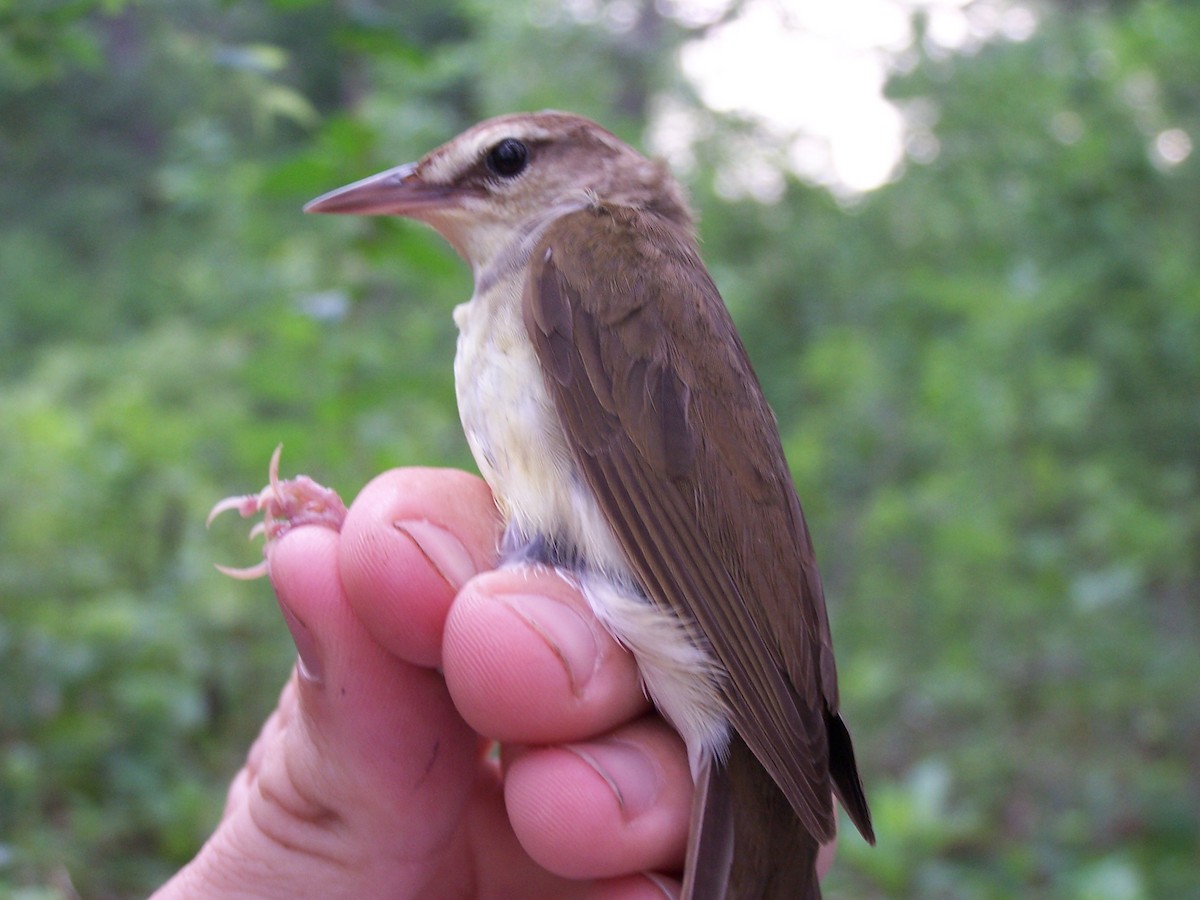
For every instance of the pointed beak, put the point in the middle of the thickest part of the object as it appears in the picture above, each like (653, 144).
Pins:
(397, 192)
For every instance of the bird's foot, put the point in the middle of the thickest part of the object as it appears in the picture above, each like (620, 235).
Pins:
(284, 505)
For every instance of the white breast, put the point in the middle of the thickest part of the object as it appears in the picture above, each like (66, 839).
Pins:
(519, 445)
(512, 428)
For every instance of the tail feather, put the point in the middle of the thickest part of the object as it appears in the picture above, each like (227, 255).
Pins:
(846, 782)
(710, 836)
(746, 842)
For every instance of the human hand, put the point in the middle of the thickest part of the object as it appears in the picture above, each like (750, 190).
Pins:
(375, 775)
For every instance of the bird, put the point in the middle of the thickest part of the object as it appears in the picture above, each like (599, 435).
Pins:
(612, 409)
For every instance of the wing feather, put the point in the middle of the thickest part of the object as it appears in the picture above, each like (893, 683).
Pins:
(683, 455)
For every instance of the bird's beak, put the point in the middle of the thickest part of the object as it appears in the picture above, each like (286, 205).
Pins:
(397, 192)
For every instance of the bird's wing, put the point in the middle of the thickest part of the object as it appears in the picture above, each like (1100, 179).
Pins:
(682, 452)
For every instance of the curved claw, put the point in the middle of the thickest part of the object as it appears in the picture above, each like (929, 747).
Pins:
(284, 505)
(246, 505)
(247, 574)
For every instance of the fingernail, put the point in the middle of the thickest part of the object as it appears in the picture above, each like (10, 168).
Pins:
(628, 770)
(306, 645)
(445, 552)
(568, 635)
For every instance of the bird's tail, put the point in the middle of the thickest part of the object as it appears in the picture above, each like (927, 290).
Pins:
(746, 842)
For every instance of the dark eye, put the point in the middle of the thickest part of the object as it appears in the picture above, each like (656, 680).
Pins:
(508, 158)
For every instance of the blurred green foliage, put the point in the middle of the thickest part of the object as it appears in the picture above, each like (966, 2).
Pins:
(987, 374)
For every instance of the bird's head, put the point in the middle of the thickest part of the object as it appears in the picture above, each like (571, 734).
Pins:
(501, 178)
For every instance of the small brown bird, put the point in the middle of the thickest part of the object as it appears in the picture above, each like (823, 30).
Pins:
(610, 405)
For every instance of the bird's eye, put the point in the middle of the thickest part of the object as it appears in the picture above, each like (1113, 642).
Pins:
(508, 158)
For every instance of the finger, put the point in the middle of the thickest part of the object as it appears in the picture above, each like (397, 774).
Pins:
(373, 733)
(527, 662)
(411, 539)
(826, 854)
(240, 788)
(612, 806)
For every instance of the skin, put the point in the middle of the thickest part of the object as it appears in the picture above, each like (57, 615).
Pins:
(373, 776)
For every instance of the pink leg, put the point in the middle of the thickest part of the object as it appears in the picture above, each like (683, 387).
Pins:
(284, 505)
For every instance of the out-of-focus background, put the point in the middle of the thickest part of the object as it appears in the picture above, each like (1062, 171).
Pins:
(961, 239)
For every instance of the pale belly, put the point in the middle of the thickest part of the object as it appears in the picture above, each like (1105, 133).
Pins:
(518, 444)
(515, 436)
